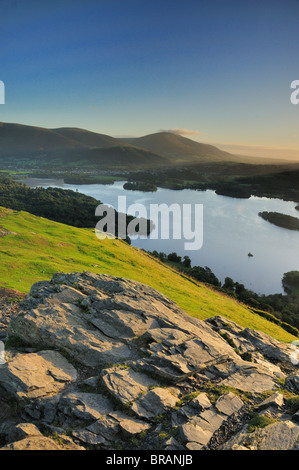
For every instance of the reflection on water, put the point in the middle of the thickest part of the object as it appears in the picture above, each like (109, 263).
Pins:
(231, 229)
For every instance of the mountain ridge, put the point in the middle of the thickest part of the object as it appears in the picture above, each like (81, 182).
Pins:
(19, 139)
(70, 145)
(172, 145)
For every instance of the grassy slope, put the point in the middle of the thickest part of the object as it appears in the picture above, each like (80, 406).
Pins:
(37, 248)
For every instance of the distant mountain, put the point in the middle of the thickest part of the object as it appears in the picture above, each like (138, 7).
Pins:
(69, 144)
(87, 138)
(119, 156)
(72, 145)
(178, 148)
(19, 139)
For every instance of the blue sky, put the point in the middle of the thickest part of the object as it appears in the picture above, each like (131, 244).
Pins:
(218, 71)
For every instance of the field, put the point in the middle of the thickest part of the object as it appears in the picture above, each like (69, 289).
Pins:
(33, 248)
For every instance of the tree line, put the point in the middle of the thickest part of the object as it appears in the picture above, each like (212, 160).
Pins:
(60, 205)
(279, 308)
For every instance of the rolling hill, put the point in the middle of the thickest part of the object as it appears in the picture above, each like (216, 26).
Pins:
(120, 156)
(68, 145)
(87, 138)
(183, 150)
(19, 140)
(21, 143)
(74, 144)
(33, 248)
(179, 148)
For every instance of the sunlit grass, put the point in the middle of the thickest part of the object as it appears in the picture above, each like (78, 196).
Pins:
(38, 248)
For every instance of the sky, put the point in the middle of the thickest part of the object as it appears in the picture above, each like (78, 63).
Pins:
(215, 71)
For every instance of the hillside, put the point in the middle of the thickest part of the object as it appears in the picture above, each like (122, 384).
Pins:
(39, 147)
(33, 248)
(179, 148)
(121, 156)
(21, 140)
(88, 138)
(32, 146)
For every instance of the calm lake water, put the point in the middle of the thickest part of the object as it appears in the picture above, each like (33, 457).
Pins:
(231, 229)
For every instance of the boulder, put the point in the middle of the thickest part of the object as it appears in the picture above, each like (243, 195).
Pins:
(129, 426)
(35, 375)
(108, 363)
(281, 435)
(153, 403)
(229, 404)
(84, 406)
(43, 443)
(126, 385)
(292, 382)
(97, 329)
(193, 433)
(275, 400)
(22, 431)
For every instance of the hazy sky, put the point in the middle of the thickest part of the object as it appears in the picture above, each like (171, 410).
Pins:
(219, 70)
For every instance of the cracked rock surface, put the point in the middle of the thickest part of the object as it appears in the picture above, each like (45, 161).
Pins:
(99, 362)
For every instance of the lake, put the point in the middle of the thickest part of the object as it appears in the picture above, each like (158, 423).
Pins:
(231, 229)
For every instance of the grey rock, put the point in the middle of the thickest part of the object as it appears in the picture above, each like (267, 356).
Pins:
(229, 404)
(281, 435)
(237, 447)
(209, 420)
(43, 409)
(126, 385)
(138, 357)
(94, 330)
(201, 402)
(106, 427)
(251, 382)
(85, 406)
(194, 446)
(129, 426)
(89, 438)
(92, 382)
(172, 444)
(292, 382)
(43, 443)
(23, 430)
(269, 347)
(37, 374)
(275, 400)
(153, 403)
(192, 432)
(193, 408)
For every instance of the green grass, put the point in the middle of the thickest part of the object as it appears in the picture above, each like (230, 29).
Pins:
(37, 248)
(259, 422)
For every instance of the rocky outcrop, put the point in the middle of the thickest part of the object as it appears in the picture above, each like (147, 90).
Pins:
(95, 361)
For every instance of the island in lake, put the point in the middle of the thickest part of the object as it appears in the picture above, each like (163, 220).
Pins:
(281, 220)
(138, 186)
